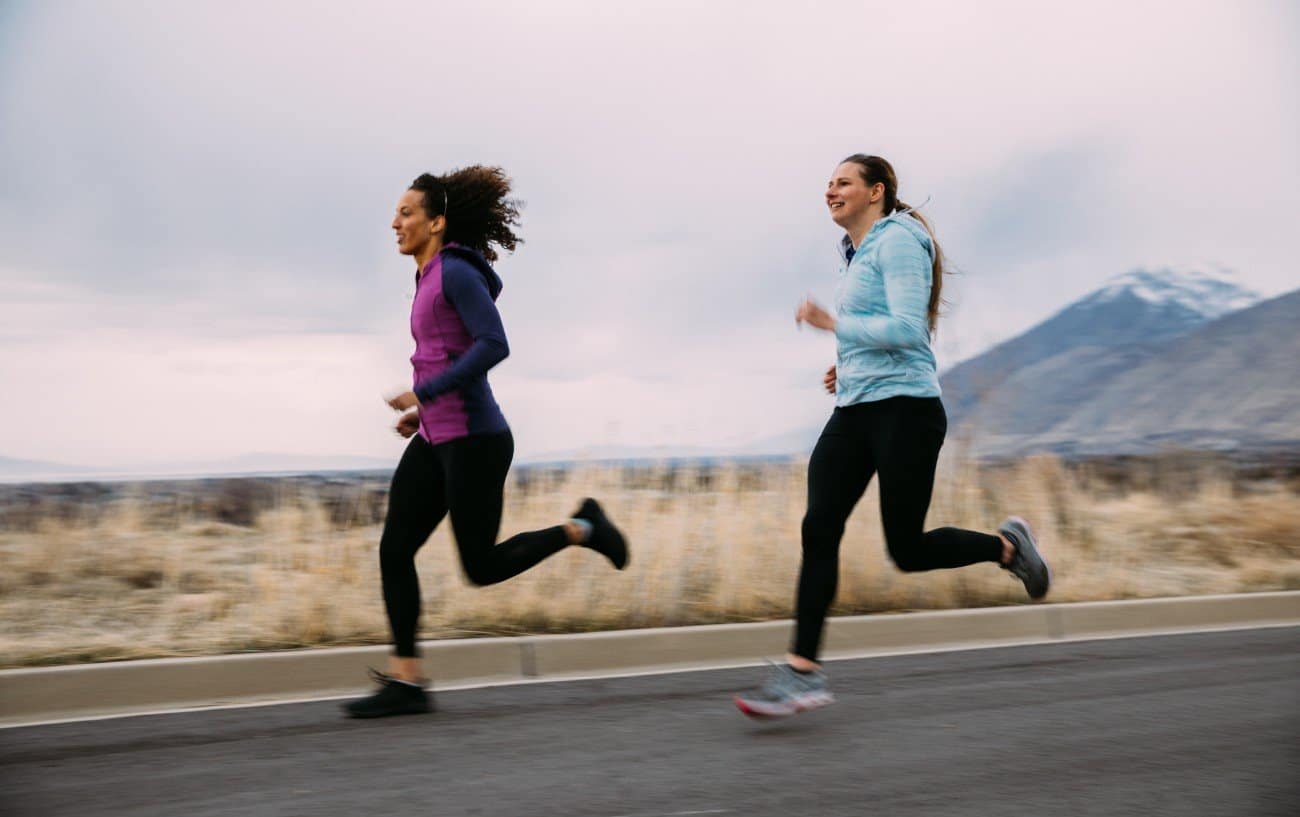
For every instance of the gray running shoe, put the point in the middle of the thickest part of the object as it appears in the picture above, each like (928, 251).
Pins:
(1026, 562)
(786, 692)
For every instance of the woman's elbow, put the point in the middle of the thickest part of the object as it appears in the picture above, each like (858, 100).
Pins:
(904, 335)
(500, 349)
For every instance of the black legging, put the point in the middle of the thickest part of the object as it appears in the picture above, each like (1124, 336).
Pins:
(466, 477)
(899, 437)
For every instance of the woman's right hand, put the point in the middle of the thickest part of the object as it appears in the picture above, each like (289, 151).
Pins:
(408, 424)
(811, 313)
(828, 380)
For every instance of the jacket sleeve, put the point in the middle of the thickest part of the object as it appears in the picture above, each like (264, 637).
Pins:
(907, 271)
(468, 294)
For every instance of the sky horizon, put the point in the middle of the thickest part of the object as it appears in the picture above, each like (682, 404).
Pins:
(791, 442)
(196, 262)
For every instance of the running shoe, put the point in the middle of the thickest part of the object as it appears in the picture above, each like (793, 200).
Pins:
(1026, 562)
(605, 538)
(785, 693)
(393, 697)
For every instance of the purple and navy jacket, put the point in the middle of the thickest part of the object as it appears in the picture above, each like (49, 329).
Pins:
(458, 337)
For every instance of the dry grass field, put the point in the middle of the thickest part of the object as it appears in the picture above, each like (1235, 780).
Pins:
(266, 564)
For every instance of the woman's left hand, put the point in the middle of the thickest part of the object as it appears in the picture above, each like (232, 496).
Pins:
(404, 401)
(810, 313)
(407, 424)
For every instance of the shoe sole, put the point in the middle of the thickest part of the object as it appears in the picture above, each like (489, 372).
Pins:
(388, 714)
(807, 703)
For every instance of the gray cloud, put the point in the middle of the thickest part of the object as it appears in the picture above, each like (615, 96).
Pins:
(228, 170)
(1040, 205)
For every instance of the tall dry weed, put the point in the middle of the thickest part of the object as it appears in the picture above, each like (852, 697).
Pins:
(244, 570)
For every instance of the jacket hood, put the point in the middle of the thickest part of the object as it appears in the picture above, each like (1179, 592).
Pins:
(899, 219)
(476, 259)
(904, 219)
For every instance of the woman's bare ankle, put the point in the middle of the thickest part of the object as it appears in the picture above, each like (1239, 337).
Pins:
(575, 534)
(405, 669)
(801, 664)
(1008, 549)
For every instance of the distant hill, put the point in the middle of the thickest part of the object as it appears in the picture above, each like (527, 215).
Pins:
(271, 463)
(20, 470)
(1233, 383)
(1094, 338)
(598, 453)
(1150, 361)
(11, 467)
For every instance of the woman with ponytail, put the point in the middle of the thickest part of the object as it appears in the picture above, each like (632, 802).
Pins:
(460, 445)
(888, 420)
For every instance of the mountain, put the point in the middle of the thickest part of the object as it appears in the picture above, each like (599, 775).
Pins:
(1196, 295)
(1151, 360)
(1075, 382)
(1229, 384)
(1131, 313)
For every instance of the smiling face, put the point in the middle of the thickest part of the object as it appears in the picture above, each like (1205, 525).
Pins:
(849, 197)
(415, 230)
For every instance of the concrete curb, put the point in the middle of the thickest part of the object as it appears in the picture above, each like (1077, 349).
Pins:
(130, 687)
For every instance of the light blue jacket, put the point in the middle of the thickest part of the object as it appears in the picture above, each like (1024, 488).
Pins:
(882, 333)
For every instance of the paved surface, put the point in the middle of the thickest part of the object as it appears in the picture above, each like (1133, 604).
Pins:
(1204, 724)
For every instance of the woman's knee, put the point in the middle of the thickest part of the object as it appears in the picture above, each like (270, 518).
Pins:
(820, 534)
(905, 552)
(394, 555)
(481, 572)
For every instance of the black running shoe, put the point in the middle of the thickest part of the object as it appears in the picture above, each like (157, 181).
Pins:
(1026, 562)
(393, 697)
(605, 538)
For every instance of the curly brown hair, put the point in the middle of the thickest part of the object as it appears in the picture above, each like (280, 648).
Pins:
(476, 202)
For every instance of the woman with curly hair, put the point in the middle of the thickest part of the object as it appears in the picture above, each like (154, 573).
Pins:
(460, 445)
(888, 421)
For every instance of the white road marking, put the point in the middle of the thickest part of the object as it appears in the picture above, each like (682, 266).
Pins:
(676, 813)
(669, 670)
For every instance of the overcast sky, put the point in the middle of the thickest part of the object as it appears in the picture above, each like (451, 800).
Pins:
(196, 262)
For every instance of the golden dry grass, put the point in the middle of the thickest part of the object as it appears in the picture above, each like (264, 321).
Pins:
(708, 546)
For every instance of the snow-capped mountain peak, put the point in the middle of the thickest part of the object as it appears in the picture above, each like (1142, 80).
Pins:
(1209, 292)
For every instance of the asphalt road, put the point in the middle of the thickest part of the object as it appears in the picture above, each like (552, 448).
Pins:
(1203, 724)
